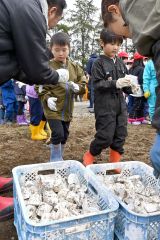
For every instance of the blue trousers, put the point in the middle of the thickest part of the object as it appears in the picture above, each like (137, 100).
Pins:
(11, 111)
(36, 111)
(155, 156)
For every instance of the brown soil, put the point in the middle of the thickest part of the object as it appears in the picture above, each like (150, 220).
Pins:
(16, 148)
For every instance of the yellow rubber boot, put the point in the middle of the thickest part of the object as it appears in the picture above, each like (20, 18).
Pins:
(41, 128)
(49, 133)
(88, 158)
(115, 157)
(35, 135)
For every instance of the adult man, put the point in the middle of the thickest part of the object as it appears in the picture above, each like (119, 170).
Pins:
(23, 54)
(139, 21)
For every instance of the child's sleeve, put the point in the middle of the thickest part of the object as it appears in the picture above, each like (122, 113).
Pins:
(99, 77)
(146, 78)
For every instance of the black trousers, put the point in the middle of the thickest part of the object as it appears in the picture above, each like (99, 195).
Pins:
(36, 111)
(111, 125)
(20, 108)
(137, 110)
(60, 131)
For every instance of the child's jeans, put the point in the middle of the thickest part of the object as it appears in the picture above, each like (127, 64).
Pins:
(36, 111)
(155, 156)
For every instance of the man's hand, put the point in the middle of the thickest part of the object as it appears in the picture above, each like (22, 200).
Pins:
(63, 75)
(123, 82)
(52, 103)
(74, 87)
(147, 94)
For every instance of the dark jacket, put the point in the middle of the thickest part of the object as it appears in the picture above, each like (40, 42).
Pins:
(18, 90)
(106, 73)
(90, 62)
(23, 52)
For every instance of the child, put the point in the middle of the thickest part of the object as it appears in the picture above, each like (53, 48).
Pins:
(37, 119)
(139, 21)
(124, 56)
(136, 114)
(58, 100)
(20, 92)
(149, 85)
(108, 74)
(9, 101)
(90, 62)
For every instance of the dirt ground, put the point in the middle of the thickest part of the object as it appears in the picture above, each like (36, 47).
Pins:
(16, 148)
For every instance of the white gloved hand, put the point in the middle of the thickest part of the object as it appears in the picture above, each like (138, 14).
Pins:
(136, 89)
(123, 82)
(52, 103)
(74, 87)
(20, 84)
(63, 75)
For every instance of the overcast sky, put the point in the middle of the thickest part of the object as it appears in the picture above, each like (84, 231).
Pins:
(70, 3)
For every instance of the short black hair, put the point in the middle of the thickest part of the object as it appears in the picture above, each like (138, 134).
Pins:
(109, 37)
(60, 4)
(107, 16)
(61, 39)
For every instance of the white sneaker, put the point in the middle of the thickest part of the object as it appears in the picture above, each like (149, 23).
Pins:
(146, 122)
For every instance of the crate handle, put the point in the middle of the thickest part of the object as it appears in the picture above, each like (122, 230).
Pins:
(46, 172)
(92, 188)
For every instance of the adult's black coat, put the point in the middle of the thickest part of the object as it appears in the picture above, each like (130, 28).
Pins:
(23, 52)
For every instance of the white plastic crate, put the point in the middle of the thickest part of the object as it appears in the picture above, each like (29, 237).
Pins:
(130, 225)
(100, 226)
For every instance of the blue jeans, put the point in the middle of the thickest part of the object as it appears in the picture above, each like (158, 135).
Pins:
(36, 111)
(155, 156)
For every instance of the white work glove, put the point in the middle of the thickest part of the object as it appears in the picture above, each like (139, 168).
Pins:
(20, 84)
(52, 103)
(135, 88)
(74, 87)
(123, 82)
(63, 75)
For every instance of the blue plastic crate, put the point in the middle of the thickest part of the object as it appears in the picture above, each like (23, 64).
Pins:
(130, 225)
(98, 226)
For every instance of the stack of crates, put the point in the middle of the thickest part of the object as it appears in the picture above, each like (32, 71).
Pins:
(130, 225)
(95, 226)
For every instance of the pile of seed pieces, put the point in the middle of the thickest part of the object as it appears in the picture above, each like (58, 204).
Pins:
(139, 196)
(52, 197)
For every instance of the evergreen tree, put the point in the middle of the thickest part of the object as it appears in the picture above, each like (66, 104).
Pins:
(84, 30)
